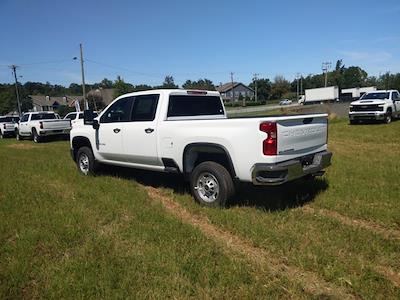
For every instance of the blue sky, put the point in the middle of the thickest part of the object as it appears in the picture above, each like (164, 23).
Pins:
(145, 40)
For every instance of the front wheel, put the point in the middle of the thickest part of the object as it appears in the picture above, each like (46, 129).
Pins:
(211, 184)
(388, 118)
(85, 161)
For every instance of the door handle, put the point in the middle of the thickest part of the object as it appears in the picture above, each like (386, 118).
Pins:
(116, 130)
(149, 130)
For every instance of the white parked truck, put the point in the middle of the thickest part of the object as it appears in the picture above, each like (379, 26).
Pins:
(325, 94)
(76, 118)
(37, 125)
(7, 125)
(380, 105)
(187, 132)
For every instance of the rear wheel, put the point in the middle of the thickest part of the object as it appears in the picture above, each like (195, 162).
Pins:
(17, 136)
(36, 137)
(211, 184)
(353, 122)
(85, 161)
(1, 135)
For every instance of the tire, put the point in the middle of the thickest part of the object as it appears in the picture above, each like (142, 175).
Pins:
(211, 184)
(1, 135)
(36, 138)
(85, 161)
(17, 136)
(388, 117)
(353, 122)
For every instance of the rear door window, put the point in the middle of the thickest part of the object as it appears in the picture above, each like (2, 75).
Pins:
(144, 108)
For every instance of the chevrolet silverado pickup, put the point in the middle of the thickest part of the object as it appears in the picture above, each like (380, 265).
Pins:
(377, 105)
(38, 125)
(188, 132)
(7, 125)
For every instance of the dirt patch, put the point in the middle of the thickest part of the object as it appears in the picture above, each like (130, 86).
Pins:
(23, 146)
(389, 274)
(371, 226)
(310, 281)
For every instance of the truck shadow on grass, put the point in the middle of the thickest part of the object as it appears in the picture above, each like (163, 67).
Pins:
(274, 198)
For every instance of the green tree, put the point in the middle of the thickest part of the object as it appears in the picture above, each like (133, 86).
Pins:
(354, 77)
(264, 87)
(169, 83)
(201, 84)
(279, 87)
(121, 87)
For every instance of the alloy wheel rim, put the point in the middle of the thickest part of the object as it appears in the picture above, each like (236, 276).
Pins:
(207, 187)
(84, 163)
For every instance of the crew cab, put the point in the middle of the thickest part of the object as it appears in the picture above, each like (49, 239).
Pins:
(188, 132)
(76, 118)
(38, 125)
(7, 125)
(380, 105)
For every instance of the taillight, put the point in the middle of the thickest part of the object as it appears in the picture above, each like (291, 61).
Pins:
(270, 144)
(41, 125)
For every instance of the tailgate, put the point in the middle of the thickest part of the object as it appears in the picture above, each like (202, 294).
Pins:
(301, 134)
(56, 124)
(9, 126)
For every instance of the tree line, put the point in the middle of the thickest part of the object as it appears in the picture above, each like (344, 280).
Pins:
(277, 88)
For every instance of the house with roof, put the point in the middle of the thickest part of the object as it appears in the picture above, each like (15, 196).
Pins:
(50, 103)
(234, 90)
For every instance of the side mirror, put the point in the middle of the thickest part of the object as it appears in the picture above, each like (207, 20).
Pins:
(96, 124)
(88, 117)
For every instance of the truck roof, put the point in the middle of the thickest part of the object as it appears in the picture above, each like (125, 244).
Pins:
(174, 92)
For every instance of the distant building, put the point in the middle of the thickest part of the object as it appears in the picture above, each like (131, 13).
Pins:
(237, 89)
(355, 93)
(102, 97)
(50, 103)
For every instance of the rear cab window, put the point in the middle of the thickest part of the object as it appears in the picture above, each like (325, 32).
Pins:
(194, 106)
(43, 116)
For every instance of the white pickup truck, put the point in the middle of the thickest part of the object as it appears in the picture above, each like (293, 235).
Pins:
(76, 118)
(380, 105)
(187, 132)
(37, 125)
(7, 125)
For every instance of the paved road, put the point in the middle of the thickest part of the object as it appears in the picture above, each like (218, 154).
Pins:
(238, 110)
(341, 109)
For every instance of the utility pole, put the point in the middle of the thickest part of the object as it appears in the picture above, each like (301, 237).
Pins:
(255, 79)
(83, 80)
(325, 67)
(301, 84)
(14, 69)
(232, 94)
(297, 81)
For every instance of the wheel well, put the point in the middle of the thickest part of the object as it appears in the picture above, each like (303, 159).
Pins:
(195, 154)
(79, 142)
(389, 110)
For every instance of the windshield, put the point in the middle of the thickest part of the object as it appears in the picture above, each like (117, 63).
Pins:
(43, 117)
(375, 96)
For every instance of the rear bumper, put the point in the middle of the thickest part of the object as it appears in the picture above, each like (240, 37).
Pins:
(54, 132)
(276, 174)
(373, 115)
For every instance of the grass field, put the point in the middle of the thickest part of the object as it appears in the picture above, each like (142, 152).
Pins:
(132, 234)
